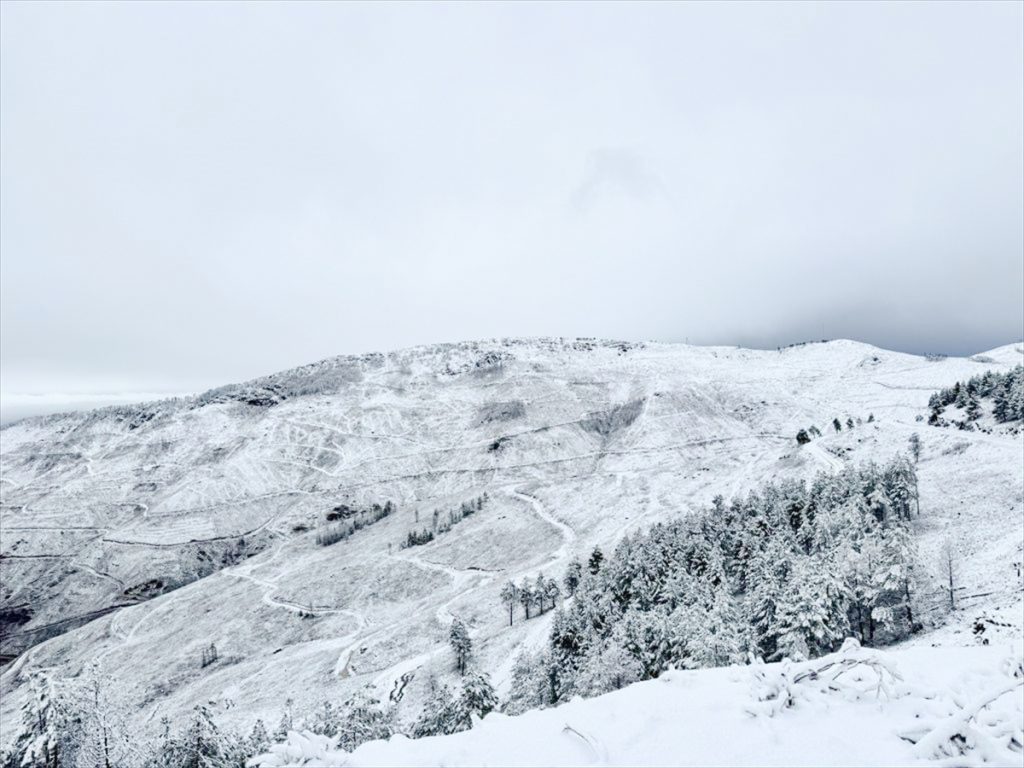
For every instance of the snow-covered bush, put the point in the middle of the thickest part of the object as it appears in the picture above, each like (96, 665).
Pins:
(852, 673)
(987, 729)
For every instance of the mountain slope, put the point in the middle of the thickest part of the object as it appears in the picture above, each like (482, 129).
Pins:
(166, 527)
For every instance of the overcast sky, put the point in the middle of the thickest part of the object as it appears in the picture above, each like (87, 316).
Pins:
(196, 193)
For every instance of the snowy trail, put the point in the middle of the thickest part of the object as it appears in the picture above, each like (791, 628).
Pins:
(832, 463)
(99, 574)
(568, 534)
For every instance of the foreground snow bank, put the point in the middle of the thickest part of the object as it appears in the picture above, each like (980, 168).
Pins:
(962, 706)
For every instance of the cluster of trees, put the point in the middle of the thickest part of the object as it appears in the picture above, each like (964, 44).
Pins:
(539, 594)
(440, 524)
(1005, 390)
(837, 424)
(789, 571)
(450, 712)
(71, 723)
(806, 435)
(343, 521)
(209, 656)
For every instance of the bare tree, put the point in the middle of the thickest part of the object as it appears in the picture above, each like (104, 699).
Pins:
(915, 446)
(949, 564)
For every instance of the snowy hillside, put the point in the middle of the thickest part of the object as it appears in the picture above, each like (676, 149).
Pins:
(865, 709)
(135, 538)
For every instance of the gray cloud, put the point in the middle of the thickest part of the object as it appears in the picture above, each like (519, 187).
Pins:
(196, 193)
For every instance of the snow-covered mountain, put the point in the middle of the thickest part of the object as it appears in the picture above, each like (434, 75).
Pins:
(133, 538)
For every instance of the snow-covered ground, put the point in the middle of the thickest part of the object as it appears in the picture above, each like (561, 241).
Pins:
(880, 711)
(574, 442)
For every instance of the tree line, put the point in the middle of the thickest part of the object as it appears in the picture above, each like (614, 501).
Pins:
(789, 571)
(441, 523)
(1005, 392)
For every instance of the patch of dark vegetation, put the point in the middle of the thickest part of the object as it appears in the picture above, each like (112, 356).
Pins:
(346, 511)
(497, 445)
(145, 487)
(344, 520)
(589, 344)
(487, 362)
(607, 423)
(140, 418)
(441, 524)
(253, 396)
(500, 412)
(13, 617)
(803, 344)
(147, 590)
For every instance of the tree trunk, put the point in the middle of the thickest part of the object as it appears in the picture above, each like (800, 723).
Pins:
(910, 610)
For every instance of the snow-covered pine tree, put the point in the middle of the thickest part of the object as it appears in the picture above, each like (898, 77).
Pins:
(438, 716)
(526, 598)
(462, 645)
(607, 667)
(477, 699)
(811, 612)
(552, 592)
(539, 592)
(203, 745)
(38, 743)
(528, 689)
(324, 720)
(363, 718)
(510, 597)
(259, 739)
(573, 575)
(286, 723)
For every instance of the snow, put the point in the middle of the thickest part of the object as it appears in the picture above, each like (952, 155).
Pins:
(712, 717)
(156, 500)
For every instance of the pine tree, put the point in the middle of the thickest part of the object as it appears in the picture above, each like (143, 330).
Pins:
(363, 718)
(811, 612)
(259, 739)
(461, 644)
(38, 744)
(973, 412)
(552, 592)
(510, 597)
(539, 593)
(529, 687)
(286, 723)
(476, 700)
(837, 425)
(607, 667)
(915, 447)
(526, 597)
(203, 745)
(438, 716)
(719, 635)
(596, 558)
(324, 720)
(573, 575)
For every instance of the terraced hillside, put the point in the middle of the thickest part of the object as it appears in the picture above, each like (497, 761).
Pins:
(135, 537)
